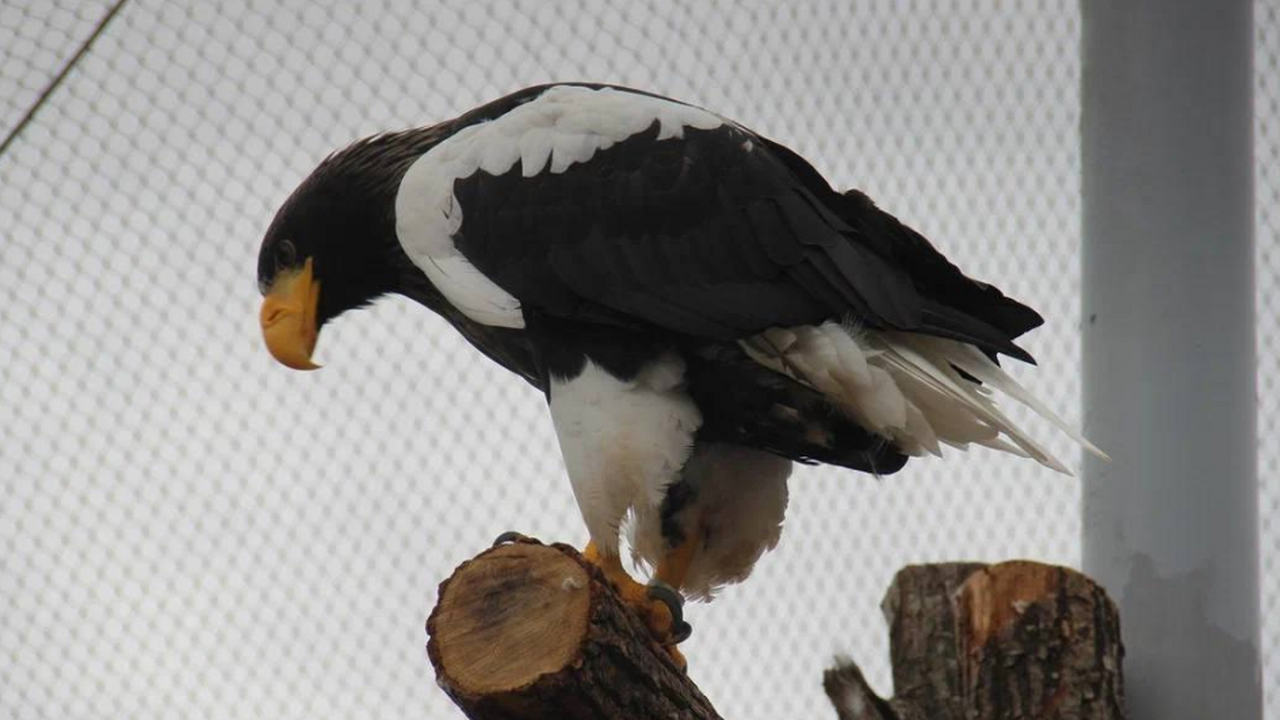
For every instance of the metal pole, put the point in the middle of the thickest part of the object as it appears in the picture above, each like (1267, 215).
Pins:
(1171, 525)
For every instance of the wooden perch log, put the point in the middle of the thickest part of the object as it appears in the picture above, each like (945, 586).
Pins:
(1013, 641)
(529, 631)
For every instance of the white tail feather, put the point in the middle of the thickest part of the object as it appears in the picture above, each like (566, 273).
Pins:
(932, 366)
(907, 387)
(982, 368)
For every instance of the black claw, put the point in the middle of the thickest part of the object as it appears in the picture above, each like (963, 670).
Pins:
(509, 536)
(659, 590)
(680, 630)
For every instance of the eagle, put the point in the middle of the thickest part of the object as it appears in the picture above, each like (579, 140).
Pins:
(698, 305)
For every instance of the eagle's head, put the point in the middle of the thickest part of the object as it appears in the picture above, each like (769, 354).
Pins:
(332, 245)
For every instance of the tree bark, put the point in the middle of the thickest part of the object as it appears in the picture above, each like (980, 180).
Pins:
(531, 631)
(1013, 641)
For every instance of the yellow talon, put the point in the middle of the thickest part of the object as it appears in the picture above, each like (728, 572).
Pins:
(655, 613)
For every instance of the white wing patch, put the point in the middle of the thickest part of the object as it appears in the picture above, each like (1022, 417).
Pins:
(906, 387)
(563, 126)
(623, 441)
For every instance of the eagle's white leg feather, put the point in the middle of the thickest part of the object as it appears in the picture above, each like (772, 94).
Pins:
(623, 441)
(909, 387)
(735, 515)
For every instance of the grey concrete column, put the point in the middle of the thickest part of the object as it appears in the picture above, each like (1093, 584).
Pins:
(1170, 526)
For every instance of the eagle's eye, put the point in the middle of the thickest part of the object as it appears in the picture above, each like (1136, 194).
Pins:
(286, 254)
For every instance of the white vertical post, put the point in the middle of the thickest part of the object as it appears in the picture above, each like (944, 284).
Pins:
(1170, 525)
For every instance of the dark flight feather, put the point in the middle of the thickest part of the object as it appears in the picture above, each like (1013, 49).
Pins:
(719, 234)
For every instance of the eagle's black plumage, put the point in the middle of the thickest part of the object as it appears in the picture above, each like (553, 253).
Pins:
(699, 241)
(688, 243)
(748, 237)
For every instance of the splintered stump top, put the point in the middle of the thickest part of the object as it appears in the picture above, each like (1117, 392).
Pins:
(533, 631)
(1015, 641)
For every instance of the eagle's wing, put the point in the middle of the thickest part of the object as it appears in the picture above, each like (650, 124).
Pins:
(710, 231)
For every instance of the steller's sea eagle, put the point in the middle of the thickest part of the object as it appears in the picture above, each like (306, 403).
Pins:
(697, 303)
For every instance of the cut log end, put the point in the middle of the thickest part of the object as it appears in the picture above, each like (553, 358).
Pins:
(532, 631)
(510, 616)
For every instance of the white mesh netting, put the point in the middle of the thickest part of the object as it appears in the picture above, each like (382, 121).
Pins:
(189, 530)
(1266, 69)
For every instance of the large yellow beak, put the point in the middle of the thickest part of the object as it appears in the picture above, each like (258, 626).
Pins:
(289, 317)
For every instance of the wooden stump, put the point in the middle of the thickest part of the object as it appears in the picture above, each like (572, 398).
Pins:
(1015, 641)
(532, 631)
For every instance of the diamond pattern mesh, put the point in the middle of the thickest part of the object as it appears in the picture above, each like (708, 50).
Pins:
(1267, 198)
(189, 530)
